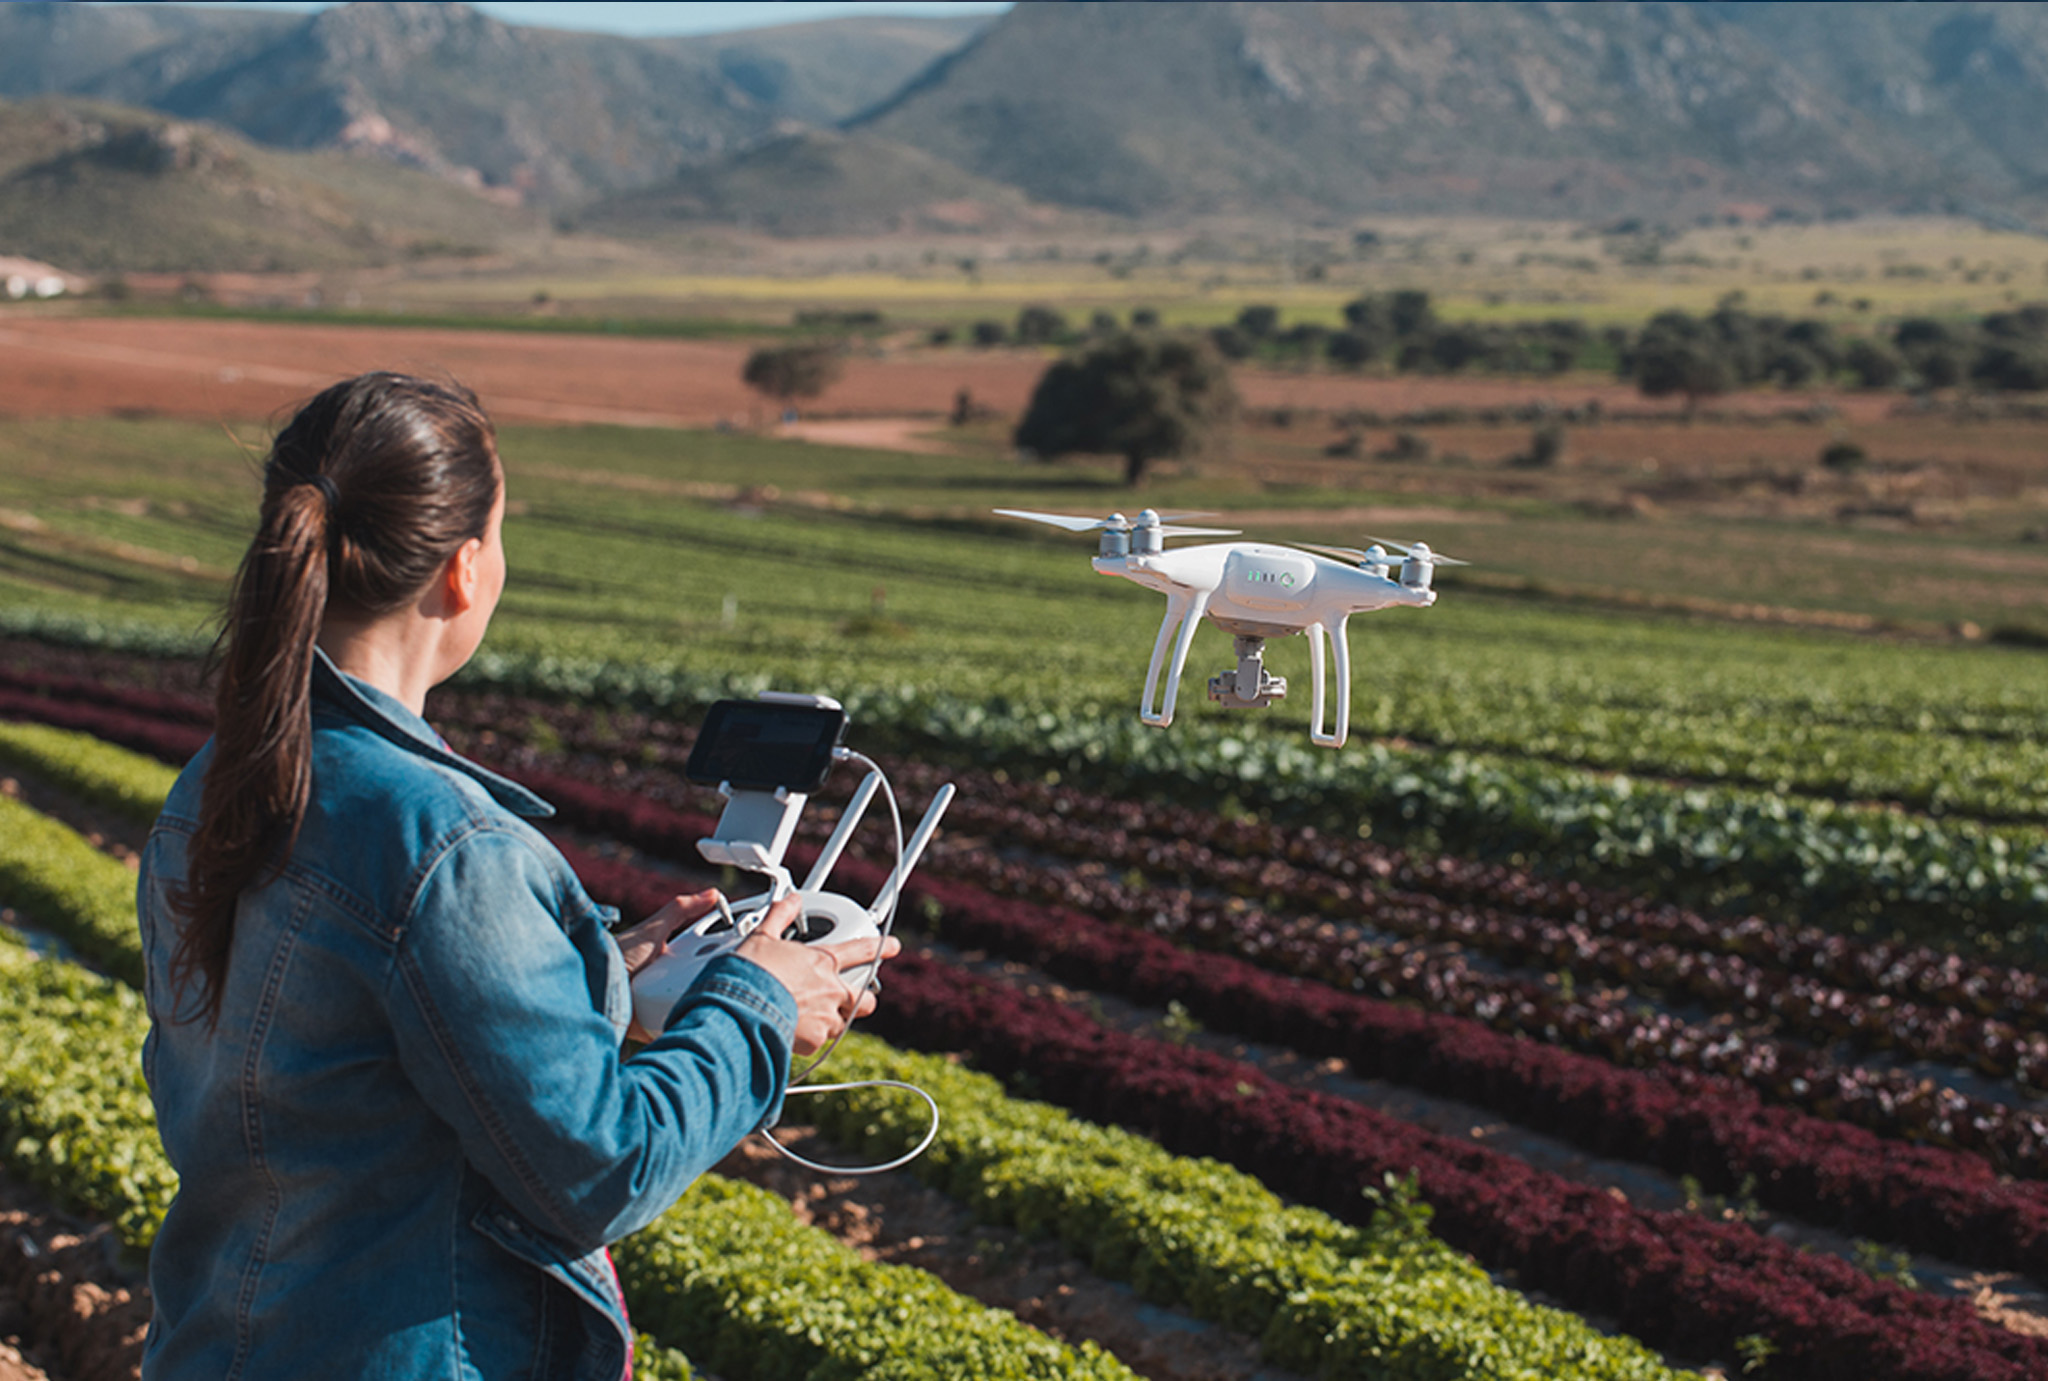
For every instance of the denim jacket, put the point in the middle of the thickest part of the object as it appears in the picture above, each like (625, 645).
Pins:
(406, 1143)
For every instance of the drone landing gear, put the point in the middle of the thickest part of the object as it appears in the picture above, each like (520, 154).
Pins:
(1249, 686)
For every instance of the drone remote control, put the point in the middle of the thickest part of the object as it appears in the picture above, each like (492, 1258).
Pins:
(766, 756)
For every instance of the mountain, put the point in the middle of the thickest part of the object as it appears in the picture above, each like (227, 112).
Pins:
(1661, 109)
(1568, 109)
(530, 114)
(1966, 84)
(101, 188)
(51, 49)
(816, 182)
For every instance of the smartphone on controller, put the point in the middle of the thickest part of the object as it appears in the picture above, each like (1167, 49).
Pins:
(760, 745)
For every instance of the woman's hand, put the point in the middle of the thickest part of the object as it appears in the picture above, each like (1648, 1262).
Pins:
(816, 975)
(639, 944)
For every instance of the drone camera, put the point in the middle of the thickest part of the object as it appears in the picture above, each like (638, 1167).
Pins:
(1248, 685)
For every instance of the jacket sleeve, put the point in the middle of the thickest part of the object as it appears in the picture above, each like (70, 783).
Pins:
(492, 1007)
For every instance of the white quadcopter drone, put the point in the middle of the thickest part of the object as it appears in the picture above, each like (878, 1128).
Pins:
(1253, 591)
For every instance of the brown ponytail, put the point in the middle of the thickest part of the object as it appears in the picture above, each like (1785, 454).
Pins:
(367, 492)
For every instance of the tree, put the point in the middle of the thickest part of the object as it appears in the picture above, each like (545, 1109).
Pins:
(1141, 395)
(1678, 353)
(784, 372)
(1875, 364)
(1410, 313)
(1038, 325)
(1259, 320)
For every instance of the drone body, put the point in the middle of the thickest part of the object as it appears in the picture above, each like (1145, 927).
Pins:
(1253, 591)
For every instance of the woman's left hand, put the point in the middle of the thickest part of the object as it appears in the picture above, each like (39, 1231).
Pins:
(639, 944)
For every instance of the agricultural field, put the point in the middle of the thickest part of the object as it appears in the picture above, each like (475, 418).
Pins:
(1480, 269)
(1656, 984)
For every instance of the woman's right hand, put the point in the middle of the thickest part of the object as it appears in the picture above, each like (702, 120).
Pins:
(815, 975)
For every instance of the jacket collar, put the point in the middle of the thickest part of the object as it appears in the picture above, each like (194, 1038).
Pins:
(384, 716)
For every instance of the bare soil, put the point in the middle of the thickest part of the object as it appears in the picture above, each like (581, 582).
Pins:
(69, 1310)
(90, 366)
(893, 1218)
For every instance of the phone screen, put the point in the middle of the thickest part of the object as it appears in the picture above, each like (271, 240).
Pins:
(760, 745)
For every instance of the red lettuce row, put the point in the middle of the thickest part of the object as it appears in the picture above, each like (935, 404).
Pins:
(1934, 1201)
(1890, 1102)
(171, 741)
(1943, 1202)
(1902, 971)
(1931, 1005)
(1677, 1281)
(1948, 1204)
(1758, 990)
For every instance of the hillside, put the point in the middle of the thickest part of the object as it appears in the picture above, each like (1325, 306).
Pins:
(533, 114)
(1567, 109)
(98, 188)
(1317, 113)
(815, 182)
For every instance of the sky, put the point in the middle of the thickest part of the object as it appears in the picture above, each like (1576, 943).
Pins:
(709, 16)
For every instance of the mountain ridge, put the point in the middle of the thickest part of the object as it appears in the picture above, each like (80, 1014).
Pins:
(1671, 110)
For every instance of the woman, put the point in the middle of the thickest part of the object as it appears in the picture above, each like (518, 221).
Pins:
(386, 1019)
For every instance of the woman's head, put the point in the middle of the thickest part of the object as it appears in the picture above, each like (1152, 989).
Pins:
(372, 493)
(399, 472)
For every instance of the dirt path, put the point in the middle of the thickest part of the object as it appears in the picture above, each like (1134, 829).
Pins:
(68, 1311)
(91, 366)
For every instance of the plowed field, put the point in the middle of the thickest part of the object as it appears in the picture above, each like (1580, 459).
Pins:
(240, 369)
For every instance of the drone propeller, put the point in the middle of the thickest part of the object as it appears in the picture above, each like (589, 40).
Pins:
(1401, 551)
(1419, 551)
(1117, 522)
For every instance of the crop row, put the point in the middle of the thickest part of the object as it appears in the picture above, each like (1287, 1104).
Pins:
(1338, 874)
(75, 1117)
(1675, 1280)
(1892, 1102)
(1607, 936)
(1858, 865)
(1325, 1297)
(1944, 1202)
(726, 1250)
(1613, 1023)
(1816, 1168)
(1976, 748)
(50, 871)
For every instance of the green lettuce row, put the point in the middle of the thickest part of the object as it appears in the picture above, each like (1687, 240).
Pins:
(654, 1362)
(75, 1115)
(128, 783)
(64, 884)
(1324, 1298)
(724, 1274)
(1851, 867)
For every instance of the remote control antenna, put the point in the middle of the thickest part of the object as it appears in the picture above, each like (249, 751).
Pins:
(828, 857)
(914, 850)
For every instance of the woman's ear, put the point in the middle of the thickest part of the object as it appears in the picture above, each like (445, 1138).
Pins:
(462, 577)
